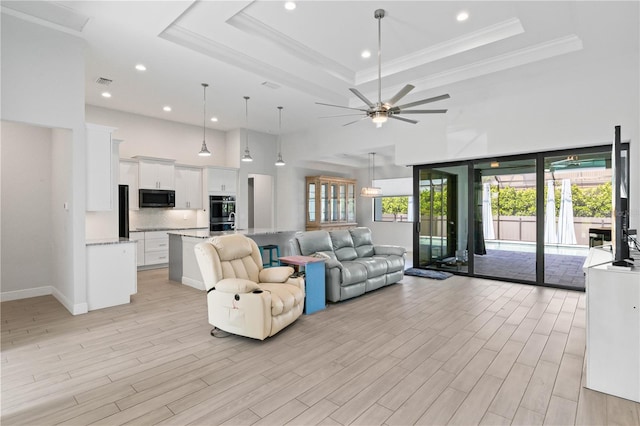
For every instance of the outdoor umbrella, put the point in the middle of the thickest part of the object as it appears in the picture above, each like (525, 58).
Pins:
(566, 230)
(550, 235)
(487, 216)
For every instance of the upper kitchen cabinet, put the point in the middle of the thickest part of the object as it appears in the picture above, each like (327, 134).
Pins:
(155, 173)
(129, 176)
(188, 187)
(221, 181)
(100, 167)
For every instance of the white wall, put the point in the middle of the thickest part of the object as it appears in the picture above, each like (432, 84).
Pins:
(26, 205)
(152, 137)
(43, 84)
(559, 107)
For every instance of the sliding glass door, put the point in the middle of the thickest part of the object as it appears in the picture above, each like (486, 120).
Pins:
(505, 217)
(528, 218)
(442, 219)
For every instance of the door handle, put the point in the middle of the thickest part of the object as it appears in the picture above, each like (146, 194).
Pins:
(418, 227)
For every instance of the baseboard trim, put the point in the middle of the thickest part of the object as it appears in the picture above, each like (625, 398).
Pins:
(74, 308)
(193, 283)
(28, 293)
(47, 290)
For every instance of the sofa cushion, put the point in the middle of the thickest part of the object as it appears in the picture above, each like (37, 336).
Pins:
(376, 266)
(343, 245)
(353, 272)
(394, 263)
(362, 241)
(314, 241)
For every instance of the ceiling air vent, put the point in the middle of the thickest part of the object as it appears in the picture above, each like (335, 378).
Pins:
(104, 81)
(270, 85)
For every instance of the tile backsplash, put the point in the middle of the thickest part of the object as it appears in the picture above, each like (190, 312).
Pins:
(163, 218)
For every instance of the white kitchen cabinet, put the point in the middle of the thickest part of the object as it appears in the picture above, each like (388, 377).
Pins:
(100, 179)
(129, 176)
(155, 173)
(188, 187)
(222, 181)
(156, 247)
(111, 274)
(138, 237)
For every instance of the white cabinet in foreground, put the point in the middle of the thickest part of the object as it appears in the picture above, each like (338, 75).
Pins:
(613, 326)
(111, 274)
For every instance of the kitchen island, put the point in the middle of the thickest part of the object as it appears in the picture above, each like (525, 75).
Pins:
(183, 266)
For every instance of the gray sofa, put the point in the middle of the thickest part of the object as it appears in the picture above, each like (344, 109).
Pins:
(354, 265)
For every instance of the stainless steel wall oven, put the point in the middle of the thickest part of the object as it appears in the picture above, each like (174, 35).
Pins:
(222, 212)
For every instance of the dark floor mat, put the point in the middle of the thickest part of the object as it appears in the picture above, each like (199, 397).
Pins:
(428, 273)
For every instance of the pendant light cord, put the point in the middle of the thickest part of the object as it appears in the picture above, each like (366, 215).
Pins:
(246, 115)
(204, 110)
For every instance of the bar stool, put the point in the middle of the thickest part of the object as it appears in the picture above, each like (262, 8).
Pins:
(271, 249)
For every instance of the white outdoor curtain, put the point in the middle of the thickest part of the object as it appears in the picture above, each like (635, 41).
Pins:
(550, 235)
(566, 230)
(487, 216)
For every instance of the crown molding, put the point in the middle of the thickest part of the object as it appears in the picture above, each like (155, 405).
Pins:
(538, 52)
(257, 28)
(220, 52)
(473, 40)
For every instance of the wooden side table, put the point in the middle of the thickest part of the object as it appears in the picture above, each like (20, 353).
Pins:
(315, 299)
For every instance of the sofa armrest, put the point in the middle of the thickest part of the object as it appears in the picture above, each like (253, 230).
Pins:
(298, 282)
(329, 262)
(277, 274)
(388, 249)
(236, 285)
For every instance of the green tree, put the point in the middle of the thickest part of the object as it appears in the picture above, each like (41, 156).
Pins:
(395, 205)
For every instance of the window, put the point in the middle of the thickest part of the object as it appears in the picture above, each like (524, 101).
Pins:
(393, 209)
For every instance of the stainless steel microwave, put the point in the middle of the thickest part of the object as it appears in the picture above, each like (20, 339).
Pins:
(157, 198)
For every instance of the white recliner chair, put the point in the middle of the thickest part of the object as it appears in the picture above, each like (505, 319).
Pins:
(245, 298)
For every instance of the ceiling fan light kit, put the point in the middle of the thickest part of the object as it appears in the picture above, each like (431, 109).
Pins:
(380, 111)
(204, 152)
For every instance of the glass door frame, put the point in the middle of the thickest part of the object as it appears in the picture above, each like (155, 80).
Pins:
(539, 158)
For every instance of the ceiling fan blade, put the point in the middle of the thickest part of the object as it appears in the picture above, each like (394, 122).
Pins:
(421, 111)
(340, 106)
(395, 117)
(341, 115)
(401, 94)
(424, 101)
(363, 118)
(362, 97)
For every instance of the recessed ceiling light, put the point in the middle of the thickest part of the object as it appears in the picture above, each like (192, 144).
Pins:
(141, 67)
(106, 94)
(166, 108)
(366, 54)
(289, 5)
(462, 16)
(214, 119)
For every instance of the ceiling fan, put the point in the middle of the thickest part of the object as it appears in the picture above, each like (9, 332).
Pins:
(380, 111)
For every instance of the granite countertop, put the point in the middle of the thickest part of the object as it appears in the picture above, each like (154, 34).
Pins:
(165, 229)
(205, 233)
(106, 241)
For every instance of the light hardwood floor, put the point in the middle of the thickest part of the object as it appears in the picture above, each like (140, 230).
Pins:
(460, 351)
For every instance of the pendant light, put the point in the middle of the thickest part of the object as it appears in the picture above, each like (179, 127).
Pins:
(204, 152)
(371, 191)
(247, 156)
(280, 162)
